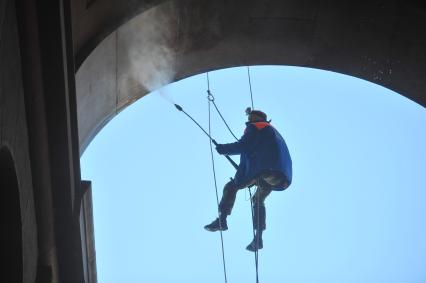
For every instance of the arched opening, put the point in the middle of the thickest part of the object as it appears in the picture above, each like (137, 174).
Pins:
(353, 206)
(12, 226)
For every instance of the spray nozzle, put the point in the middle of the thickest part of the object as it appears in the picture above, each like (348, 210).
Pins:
(178, 107)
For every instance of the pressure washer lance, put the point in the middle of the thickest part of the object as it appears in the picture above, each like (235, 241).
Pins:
(213, 141)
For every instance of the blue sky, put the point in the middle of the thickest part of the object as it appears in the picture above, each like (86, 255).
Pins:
(354, 213)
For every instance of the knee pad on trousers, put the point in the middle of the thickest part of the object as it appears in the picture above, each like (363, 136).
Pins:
(259, 217)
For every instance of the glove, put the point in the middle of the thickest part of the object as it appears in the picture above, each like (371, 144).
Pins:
(219, 148)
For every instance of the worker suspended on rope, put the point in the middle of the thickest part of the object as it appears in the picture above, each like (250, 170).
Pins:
(265, 162)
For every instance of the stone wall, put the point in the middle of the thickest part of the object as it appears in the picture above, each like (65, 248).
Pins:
(14, 140)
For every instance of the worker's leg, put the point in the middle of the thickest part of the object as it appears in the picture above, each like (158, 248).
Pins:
(264, 188)
(225, 207)
(228, 198)
(259, 211)
(259, 214)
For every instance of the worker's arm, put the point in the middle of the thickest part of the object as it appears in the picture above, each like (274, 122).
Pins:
(245, 145)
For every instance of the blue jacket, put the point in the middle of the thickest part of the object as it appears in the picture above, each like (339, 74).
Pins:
(262, 150)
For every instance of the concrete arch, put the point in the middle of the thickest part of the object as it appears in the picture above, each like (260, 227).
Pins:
(12, 243)
(382, 42)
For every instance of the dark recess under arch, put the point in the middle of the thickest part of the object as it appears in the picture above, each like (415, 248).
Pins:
(11, 214)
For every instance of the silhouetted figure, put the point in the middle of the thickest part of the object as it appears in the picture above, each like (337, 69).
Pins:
(264, 161)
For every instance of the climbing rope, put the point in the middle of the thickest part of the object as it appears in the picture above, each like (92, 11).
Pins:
(256, 257)
(215, 183)
(251, 91)
(211, 100)
(256, 254)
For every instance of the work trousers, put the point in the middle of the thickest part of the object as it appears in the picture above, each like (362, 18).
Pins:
(258, 200)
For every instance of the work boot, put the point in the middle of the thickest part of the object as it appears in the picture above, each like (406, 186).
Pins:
(255, 245)
(217, 225)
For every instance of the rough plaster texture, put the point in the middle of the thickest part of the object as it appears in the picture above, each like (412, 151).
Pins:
(14, 135)
(382, 42)
(101, 68)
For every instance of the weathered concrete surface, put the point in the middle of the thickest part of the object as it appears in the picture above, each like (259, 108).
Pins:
(101, 68)
(47, 71)
(88, 234)
(14, 140)
(93, 20)
(380, 41)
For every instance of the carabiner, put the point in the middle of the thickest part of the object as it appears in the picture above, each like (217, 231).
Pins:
(210, 96)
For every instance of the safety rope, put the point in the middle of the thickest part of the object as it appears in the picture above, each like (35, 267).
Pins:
(256, 256)
(251, 91)
(215, 183)
(211, 99)
(255, 237)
